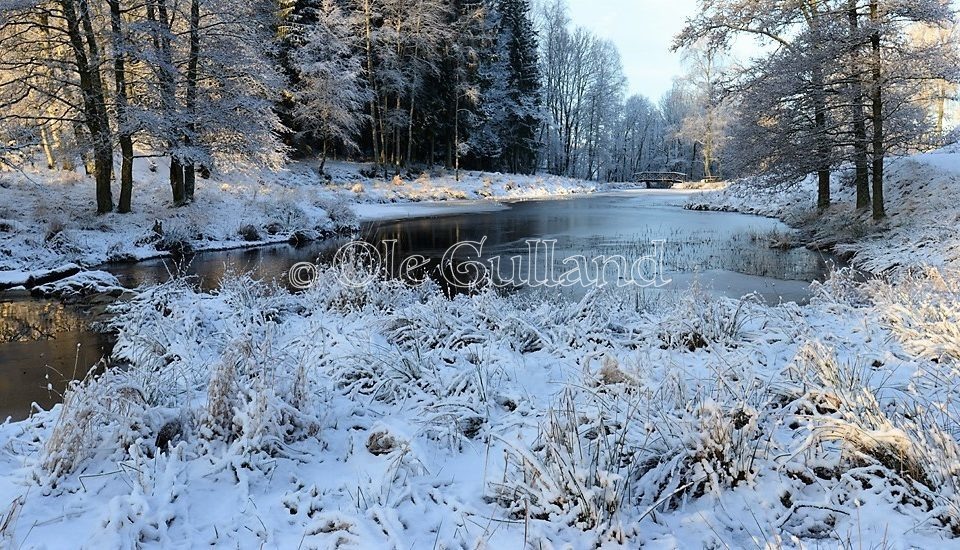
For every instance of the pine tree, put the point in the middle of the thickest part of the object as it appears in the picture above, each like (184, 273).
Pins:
(486, 84)
(519, 38)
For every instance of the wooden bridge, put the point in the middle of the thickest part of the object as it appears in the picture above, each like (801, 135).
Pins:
(660, 180)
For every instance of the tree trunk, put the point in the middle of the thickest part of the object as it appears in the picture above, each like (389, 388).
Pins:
(708, 144)
(123, 124)
(822, 139)
(398, 159)
(49, 138)
(371, 80)
(708, 158)
(87, 54)
(168, 93)
(693, 160)
(69, 161)
(189, 181)
(879, 211)
(47, 149)
(941, 110)
(193, 64)
(176, 181)
(860, 148)
(410, 130)
(103, 138)
(323, 156)
(823, 143)
(126, 174)
(456, 128)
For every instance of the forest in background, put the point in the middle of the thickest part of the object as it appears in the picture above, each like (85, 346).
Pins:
(496, 85)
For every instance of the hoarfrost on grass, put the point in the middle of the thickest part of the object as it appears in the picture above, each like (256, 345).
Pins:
(393, 415)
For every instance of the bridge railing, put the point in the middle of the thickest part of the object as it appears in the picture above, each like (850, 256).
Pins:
(676, 177)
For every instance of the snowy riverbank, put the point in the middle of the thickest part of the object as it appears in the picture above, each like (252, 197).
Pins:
(922, 193)
(442, 185)
(48, 225)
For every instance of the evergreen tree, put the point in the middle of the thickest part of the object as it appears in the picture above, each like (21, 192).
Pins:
(519, 39)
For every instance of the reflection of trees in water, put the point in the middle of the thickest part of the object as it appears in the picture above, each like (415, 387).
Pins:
(30, 320)
(44, 344)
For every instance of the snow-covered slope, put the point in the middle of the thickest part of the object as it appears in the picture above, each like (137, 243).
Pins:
(923, 207)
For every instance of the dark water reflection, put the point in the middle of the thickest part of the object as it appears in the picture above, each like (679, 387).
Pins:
(43, 345)
(728, 254)
(208, 269)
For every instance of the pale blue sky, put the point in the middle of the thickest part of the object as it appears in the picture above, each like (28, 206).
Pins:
(643, 31)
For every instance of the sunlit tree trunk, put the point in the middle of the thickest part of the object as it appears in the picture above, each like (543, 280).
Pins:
(47, 149)
(124, 132)
(876, 94)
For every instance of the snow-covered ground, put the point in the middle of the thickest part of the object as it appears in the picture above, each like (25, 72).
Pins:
(922, 227)
(442, 185)
(48, 220)
(390, 417)
(393, 417)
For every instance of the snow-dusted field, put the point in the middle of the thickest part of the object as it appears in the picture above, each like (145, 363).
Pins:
(393, 417)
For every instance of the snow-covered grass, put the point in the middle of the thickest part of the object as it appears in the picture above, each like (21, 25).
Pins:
(704, 185)
(922, 205)
(439, 184)
(396, 417)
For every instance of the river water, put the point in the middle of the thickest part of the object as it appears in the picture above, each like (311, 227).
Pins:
(43, 343)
